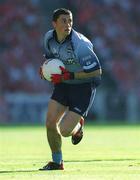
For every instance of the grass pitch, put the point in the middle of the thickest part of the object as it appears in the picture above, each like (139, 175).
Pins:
(105, 153)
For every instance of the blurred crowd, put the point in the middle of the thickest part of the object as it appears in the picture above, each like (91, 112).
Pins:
(21, 25)
(113, 26)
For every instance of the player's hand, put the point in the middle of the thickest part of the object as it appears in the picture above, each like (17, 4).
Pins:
(65, 75)
(41, 73)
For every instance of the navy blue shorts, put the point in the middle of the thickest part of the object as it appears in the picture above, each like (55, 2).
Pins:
(78, 97)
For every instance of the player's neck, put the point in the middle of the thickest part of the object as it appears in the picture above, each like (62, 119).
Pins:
(61, 38)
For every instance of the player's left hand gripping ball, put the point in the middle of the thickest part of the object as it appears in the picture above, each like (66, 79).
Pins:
(65, 75)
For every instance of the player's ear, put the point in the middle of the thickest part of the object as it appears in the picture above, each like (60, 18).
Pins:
(54, 24)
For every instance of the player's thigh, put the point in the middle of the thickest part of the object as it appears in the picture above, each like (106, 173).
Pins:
(55, 112)
(69, 122)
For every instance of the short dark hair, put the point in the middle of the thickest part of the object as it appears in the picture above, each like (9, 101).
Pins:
(60, 11)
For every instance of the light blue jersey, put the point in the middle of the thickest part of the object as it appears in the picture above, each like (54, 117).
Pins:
(76, 52)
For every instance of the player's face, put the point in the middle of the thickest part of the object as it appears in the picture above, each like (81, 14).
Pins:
(63, 25)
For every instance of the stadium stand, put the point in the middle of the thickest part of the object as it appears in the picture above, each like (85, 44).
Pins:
(113, 26)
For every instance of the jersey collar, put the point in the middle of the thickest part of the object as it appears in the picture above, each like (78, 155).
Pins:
(67, 38)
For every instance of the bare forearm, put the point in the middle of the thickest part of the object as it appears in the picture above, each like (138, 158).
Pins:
(82, 75)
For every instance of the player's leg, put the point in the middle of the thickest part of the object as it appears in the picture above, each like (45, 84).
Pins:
(69, 123)
(80, 100)
(55, 112)
(56, 109)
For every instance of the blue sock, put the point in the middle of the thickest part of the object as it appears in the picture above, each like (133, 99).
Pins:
(57, 157)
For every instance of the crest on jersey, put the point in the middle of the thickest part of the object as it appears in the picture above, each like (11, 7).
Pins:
(70, 61)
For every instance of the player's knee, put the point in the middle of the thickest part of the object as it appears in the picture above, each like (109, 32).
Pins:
(50, 124)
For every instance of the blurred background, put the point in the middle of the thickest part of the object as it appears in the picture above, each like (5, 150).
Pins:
(113, 26)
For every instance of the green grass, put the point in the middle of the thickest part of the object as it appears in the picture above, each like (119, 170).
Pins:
(106, 152)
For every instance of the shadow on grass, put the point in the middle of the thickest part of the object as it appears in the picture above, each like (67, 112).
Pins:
(102, 160)
(16, 171)
(73, 161)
